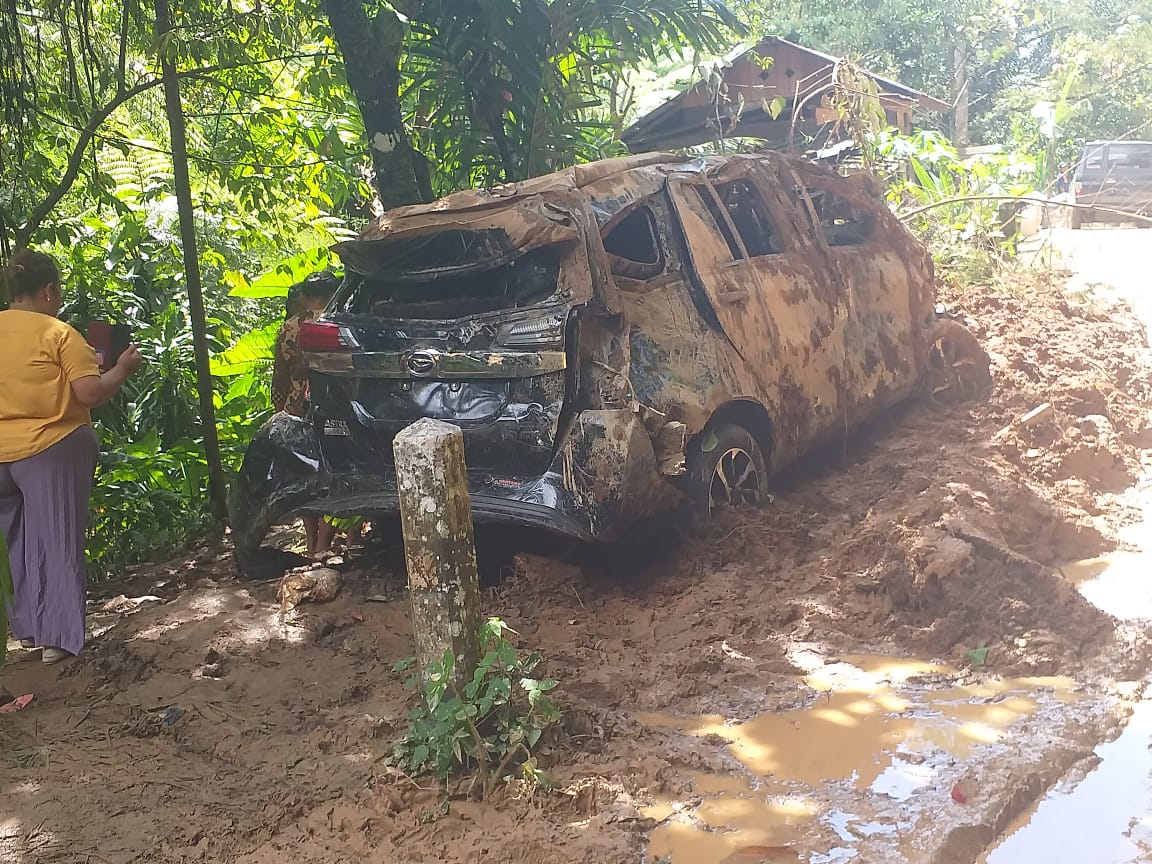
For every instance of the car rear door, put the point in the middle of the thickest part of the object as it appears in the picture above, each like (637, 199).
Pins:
(481, 342)
(885, 277)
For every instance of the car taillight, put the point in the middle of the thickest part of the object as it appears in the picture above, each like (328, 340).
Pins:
(1078, 188)
(321, 337)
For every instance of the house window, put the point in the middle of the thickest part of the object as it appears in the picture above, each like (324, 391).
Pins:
(633, 246)
(750, 215)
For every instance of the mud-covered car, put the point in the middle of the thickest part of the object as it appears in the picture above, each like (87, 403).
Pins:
(611, 339)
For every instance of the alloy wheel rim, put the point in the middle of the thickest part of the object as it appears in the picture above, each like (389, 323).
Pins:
(735, 481)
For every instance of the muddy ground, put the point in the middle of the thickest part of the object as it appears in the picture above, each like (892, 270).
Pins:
(198, 727)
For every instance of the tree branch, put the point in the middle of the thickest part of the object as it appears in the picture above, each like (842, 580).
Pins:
(88, 132)
(75, 159)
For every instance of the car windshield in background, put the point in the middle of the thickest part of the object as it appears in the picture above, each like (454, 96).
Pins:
(420, 284)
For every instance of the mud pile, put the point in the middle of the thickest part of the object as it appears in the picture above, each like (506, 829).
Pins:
(945, 527)
(234, 734)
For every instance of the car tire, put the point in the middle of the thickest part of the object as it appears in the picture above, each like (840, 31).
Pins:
(1077, 219)
(957, 368)
(727, 468)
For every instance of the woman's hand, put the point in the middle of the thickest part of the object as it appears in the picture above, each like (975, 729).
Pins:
(94, 390)
(131, 360)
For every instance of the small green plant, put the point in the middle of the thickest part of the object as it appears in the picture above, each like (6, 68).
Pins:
(497, 717)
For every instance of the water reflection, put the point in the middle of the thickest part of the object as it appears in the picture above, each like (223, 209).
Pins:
(874, 726)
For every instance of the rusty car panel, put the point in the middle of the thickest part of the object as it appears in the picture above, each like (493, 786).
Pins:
(605, 336)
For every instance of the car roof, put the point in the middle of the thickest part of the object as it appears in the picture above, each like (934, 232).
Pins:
(609, 186)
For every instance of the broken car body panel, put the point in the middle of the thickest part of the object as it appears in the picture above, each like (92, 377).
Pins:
(583, 329)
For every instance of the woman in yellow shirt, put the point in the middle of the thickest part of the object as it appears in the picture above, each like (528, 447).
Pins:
(49, 379)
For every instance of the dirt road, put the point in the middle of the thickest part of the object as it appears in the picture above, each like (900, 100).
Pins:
(808, 683)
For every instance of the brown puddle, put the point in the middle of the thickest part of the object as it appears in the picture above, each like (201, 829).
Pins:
(734, 824)
(871, 727)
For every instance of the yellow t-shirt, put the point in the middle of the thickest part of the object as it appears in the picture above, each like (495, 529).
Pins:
(39, 358)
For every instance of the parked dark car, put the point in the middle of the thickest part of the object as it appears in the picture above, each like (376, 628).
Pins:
(1114, 176)
(610, 339)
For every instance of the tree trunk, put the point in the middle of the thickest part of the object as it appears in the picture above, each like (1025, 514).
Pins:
(439, 550)
(372, 49)
(183, 188)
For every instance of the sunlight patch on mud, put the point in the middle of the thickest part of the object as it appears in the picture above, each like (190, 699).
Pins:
(242, 621)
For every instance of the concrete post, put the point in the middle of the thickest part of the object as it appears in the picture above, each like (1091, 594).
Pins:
(439, 548)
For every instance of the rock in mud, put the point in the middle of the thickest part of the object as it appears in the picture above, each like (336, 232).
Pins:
(320, 585)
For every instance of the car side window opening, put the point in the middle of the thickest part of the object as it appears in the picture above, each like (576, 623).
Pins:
(1095, 159)
(708, 199)
(841, 223)
(634, 247)
(751, 217)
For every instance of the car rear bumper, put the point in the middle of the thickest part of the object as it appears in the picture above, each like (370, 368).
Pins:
(539, 503)
(601, 482)
(1125, 202)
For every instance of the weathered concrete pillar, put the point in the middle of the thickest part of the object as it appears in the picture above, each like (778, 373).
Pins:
(439, 547)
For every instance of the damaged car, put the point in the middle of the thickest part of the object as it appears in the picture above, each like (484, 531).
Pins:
(612, 339)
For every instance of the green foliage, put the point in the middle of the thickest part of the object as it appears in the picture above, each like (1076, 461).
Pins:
(525, 88)
(966, 236)
(277, 281)
(252, 352)
(499, 715)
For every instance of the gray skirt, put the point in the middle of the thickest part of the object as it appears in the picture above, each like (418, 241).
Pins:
(44, 517)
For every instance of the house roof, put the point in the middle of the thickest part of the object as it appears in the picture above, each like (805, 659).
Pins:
(770, 47)
(891, 86)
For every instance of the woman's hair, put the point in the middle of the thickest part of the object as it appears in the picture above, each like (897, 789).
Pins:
(316, 285)
(28, 272)
(322, 284)
(292, 302)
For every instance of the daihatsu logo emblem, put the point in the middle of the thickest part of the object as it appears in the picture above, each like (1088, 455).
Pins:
(421, 363)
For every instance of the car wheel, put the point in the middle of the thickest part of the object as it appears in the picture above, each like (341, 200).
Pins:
(958, 367)
(1077, 219)
(729, 470)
